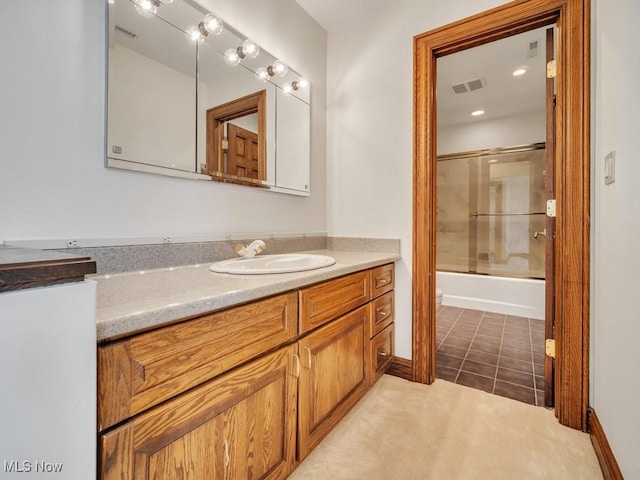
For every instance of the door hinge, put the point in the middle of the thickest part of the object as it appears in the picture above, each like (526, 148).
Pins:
(550, 347)
(551, 69)
(551, 208)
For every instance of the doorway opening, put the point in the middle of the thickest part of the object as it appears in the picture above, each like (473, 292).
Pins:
(570, 282)
(491, 221)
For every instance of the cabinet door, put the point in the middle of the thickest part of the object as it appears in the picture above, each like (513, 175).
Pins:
(239, 426)
(332, 377)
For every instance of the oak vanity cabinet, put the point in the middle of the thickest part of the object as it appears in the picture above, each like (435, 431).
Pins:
(246, 392)
(240, 424)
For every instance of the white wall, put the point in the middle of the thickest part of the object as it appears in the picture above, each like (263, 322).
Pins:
(615, 316)
(53, 183)
(510, 131)
(369, 156)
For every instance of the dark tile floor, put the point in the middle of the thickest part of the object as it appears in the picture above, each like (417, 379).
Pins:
(499, 354)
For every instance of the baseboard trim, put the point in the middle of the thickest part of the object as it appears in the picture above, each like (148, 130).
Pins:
(608, 463)
(401, 367)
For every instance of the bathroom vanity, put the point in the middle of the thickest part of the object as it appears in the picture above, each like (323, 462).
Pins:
(244, 389)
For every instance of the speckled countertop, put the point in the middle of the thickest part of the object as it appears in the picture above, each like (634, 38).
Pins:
(131, 302)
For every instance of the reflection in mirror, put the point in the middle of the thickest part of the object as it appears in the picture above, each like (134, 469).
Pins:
(160, 62)
(236, 140)
(293, 142)
(151, 98)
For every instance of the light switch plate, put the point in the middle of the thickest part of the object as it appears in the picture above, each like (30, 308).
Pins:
(610, 168)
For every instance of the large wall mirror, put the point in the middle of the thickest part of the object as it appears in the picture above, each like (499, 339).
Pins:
(187, 99)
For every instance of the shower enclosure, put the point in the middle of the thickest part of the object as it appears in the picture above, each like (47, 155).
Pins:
(491, 212)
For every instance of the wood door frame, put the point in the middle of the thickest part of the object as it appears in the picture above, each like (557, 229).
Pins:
(572, 183)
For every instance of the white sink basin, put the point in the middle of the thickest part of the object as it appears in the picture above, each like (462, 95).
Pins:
(282, 263)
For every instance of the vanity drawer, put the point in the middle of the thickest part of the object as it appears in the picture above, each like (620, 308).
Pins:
(382, 280)
(326, 301)
(381, 353)
(146, 369)
(382, 313)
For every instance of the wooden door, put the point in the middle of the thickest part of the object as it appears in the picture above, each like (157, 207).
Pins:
(550, 284)
(572, 176)
(332, 378)
(242, 156)
(240, 426)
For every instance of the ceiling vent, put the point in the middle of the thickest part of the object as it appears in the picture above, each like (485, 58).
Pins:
(124, 31)
(469, 86)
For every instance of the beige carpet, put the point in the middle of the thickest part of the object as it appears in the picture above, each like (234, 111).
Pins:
(403, 430)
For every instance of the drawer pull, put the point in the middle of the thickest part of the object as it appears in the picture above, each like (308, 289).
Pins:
(382, 281)
(383, 354)
(308, 357)
(227, 458)
(381, 312)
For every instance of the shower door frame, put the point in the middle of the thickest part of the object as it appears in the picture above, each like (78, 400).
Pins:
(572, 185)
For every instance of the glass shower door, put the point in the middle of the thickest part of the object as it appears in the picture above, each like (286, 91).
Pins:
(491, 206)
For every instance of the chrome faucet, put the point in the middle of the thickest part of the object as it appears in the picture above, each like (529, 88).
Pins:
(251, 250)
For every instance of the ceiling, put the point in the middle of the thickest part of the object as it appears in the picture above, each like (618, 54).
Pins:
(503, 95)
(333, 15)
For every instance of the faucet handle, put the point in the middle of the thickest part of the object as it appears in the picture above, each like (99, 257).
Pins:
(240, 249)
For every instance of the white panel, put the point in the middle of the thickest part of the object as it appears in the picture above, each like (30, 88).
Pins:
(48, 379)
(293, 140)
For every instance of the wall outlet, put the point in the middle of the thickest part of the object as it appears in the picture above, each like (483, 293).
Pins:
(73, 243)
(166, 239)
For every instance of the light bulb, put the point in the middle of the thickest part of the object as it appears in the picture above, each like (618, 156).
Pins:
(278, 68)
(303, 83)
(287, 88)
(250, 48)
(146, 8)
(231, 57)
(212, 24)
(262, 74)
(194, 34)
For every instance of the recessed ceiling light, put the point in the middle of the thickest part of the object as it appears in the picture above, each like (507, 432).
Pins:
(519, 71)
(477, 113)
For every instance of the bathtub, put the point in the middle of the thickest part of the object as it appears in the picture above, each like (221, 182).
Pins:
(510, 296)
